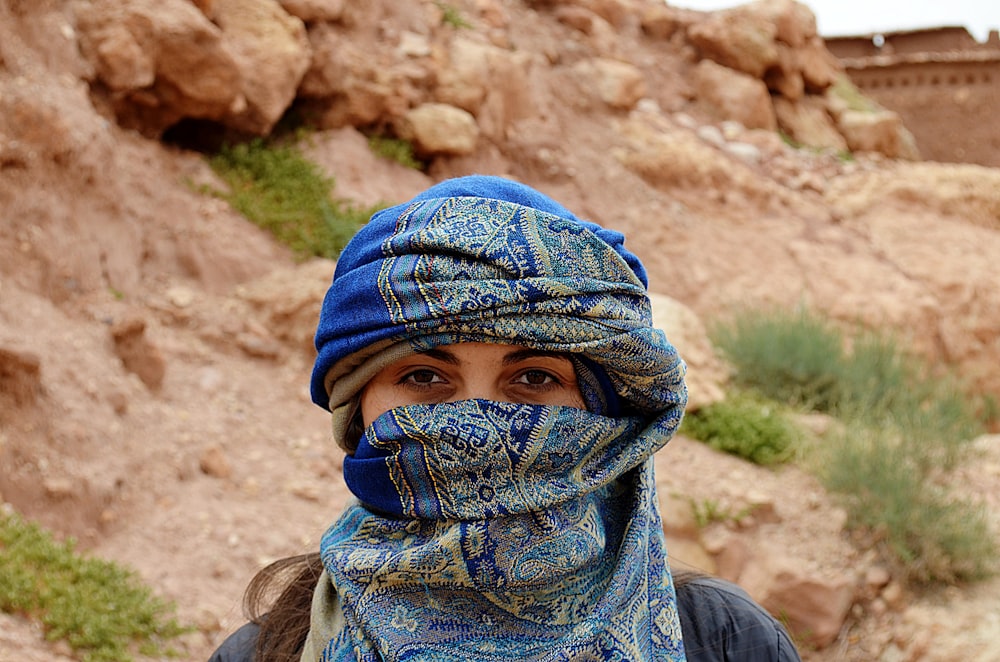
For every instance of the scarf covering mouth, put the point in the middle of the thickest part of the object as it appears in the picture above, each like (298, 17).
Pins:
(491, 531)
(516, 532)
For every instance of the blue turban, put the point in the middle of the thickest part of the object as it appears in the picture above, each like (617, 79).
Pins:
(486, 259)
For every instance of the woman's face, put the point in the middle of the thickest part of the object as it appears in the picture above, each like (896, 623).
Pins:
(466, 371)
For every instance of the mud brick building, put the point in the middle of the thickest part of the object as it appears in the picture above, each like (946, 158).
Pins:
(942, 82)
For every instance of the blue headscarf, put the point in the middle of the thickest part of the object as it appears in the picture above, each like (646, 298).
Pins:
(493, 530)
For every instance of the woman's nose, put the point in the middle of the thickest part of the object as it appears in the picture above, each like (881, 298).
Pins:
(478, 388)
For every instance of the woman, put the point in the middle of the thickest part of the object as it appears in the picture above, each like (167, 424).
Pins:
(494, 376)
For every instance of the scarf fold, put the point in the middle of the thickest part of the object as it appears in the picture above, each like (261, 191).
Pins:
(502, 531)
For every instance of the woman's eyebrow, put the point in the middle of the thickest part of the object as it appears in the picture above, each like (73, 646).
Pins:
(439, 354)
(519, 355)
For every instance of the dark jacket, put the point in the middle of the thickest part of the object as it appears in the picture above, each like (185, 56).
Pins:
(719, 621)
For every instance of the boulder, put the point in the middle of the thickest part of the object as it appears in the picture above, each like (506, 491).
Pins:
(706, 372)
(737, 38)
(813, 606)
(346, 86)
(464, 81)
(311, 11)
(438, 128)
(659, 21)
(161, 61)
(808, 122)
(618, 84)
(286, 300)
(794, 22)
(732, 95)
(877, 131)
(271, 52)
(819, 67)
(786, 78)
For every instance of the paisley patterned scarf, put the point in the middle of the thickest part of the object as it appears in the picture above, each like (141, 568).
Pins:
(487, 530)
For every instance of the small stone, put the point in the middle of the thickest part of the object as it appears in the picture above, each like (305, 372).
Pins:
(58, 488)
(180, 296)
(305, 492)
(118, 402)
(213, 462)
(893, 595)
(260, 348)
(877, 577)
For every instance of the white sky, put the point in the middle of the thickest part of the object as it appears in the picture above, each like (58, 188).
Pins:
(851, 17)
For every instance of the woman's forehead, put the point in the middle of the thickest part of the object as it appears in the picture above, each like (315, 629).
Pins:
(505, 354)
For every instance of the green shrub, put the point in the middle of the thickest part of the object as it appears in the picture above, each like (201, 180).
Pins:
(708, 511)
(451, 16)
(394, 149)
(800, 359)
(793, 357)
(280, 190)
(908, 425)
(101, 609)
(748, 427)
(929, 535)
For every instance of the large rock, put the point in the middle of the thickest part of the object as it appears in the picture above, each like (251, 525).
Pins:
(286, 301)
(673, 160)
(819, 67)
(794, 22)
(732, 95)
(618, 84)
(879, 131)
(314, 10)
(808, 121)
(437, 128)
(160, 60)
(272, 54)
(471, 70)
(737, 38)
(813, 606)
(706, 373)
(346, 86)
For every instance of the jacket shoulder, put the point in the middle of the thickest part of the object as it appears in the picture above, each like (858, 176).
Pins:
(239, 646)
(721, 622)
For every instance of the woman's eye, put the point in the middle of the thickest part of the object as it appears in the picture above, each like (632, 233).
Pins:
(536, 378)
(421, 377)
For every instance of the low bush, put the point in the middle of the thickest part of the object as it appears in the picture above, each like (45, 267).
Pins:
(101, 609)
(905, 426)
(930, 535)
(450, 15)
(751, 428)
(792, 357)
(394, 149)
(276, 187)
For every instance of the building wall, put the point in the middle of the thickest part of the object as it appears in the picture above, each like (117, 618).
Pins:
(950, 107)
(936, 40)
(943, 83)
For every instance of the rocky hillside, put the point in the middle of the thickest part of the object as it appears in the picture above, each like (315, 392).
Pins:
(154, 346)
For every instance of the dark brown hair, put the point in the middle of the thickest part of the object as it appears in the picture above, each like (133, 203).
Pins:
(283, 620)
